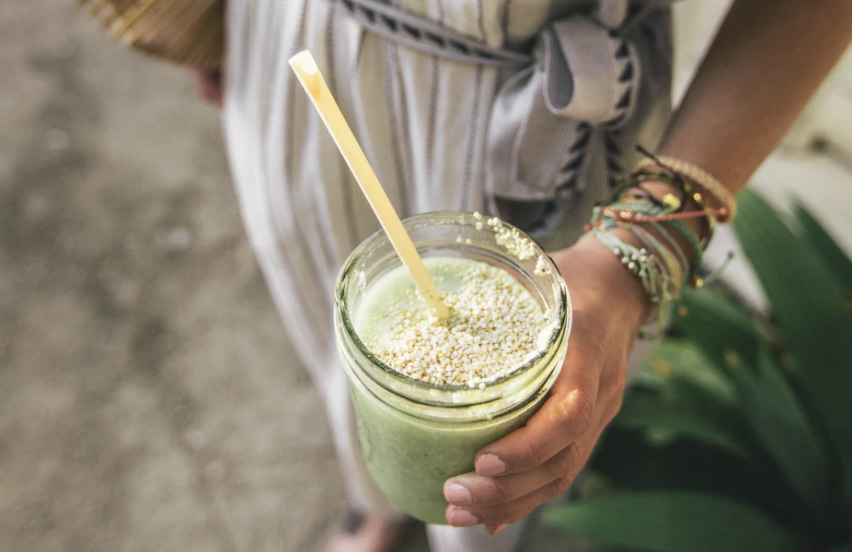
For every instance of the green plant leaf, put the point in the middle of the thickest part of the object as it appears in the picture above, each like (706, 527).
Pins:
(682, 420)
(630, 462)
(687, 398)
(813, 321)
(834, 258)
(672, 522)
(781, 426)
(674, 361)
(725, 332)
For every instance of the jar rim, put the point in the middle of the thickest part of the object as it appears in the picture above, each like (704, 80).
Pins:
(456, 217)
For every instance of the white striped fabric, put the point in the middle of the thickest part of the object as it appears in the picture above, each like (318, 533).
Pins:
(423, 122)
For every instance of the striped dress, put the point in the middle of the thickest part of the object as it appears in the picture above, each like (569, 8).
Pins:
(444, 126)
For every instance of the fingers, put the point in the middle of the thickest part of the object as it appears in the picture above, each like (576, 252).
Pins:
(561, 420)
(473, 489)
(540, 460)
(489, 508)
(207, 84)
(506, 513)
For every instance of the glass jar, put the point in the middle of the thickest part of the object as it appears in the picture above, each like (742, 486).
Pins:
(415, 435)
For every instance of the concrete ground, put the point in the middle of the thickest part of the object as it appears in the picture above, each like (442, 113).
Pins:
(149, 399)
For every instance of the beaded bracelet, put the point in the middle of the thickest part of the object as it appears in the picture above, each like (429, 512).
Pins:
(622, 212)
(640, 262)
(646, 266)
(676, 274)
(635, 211)
(674, 268)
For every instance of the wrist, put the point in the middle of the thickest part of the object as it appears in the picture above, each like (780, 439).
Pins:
(597, 279)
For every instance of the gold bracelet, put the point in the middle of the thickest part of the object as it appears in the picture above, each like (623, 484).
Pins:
(712, 189)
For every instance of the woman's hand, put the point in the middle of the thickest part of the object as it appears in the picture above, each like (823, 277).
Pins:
(207, 84)
(540, 460)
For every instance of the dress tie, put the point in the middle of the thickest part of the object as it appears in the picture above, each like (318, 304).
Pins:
(582, 74)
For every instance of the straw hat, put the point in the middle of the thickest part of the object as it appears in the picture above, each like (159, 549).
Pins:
(189, 32)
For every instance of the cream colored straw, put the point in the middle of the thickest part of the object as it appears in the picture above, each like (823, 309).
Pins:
(309, 75)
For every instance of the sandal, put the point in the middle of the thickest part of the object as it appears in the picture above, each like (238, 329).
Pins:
(364, 532)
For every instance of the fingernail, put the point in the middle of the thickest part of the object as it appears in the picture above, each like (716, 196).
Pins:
(494, 529)
(462, 518)
(458, 495)
(489, 465)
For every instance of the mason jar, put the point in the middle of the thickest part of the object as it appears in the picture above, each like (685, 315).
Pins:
(415, 435)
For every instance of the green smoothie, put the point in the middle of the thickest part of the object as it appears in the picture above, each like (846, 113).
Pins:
(496, 327)
(410, 459)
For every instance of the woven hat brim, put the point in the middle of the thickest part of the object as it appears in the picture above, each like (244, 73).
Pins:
(190, 32)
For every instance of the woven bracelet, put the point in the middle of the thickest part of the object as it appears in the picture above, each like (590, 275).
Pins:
(673, 204)
(673, 245)
(695, 246)
(643, 264)
(674, 267)
(705, 187)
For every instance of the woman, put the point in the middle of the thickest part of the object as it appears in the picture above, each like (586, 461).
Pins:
(531, 108)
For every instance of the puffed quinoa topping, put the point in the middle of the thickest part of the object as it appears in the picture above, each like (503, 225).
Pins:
(495, 327)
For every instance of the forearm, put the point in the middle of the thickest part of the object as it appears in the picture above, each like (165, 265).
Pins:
(766, 61)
